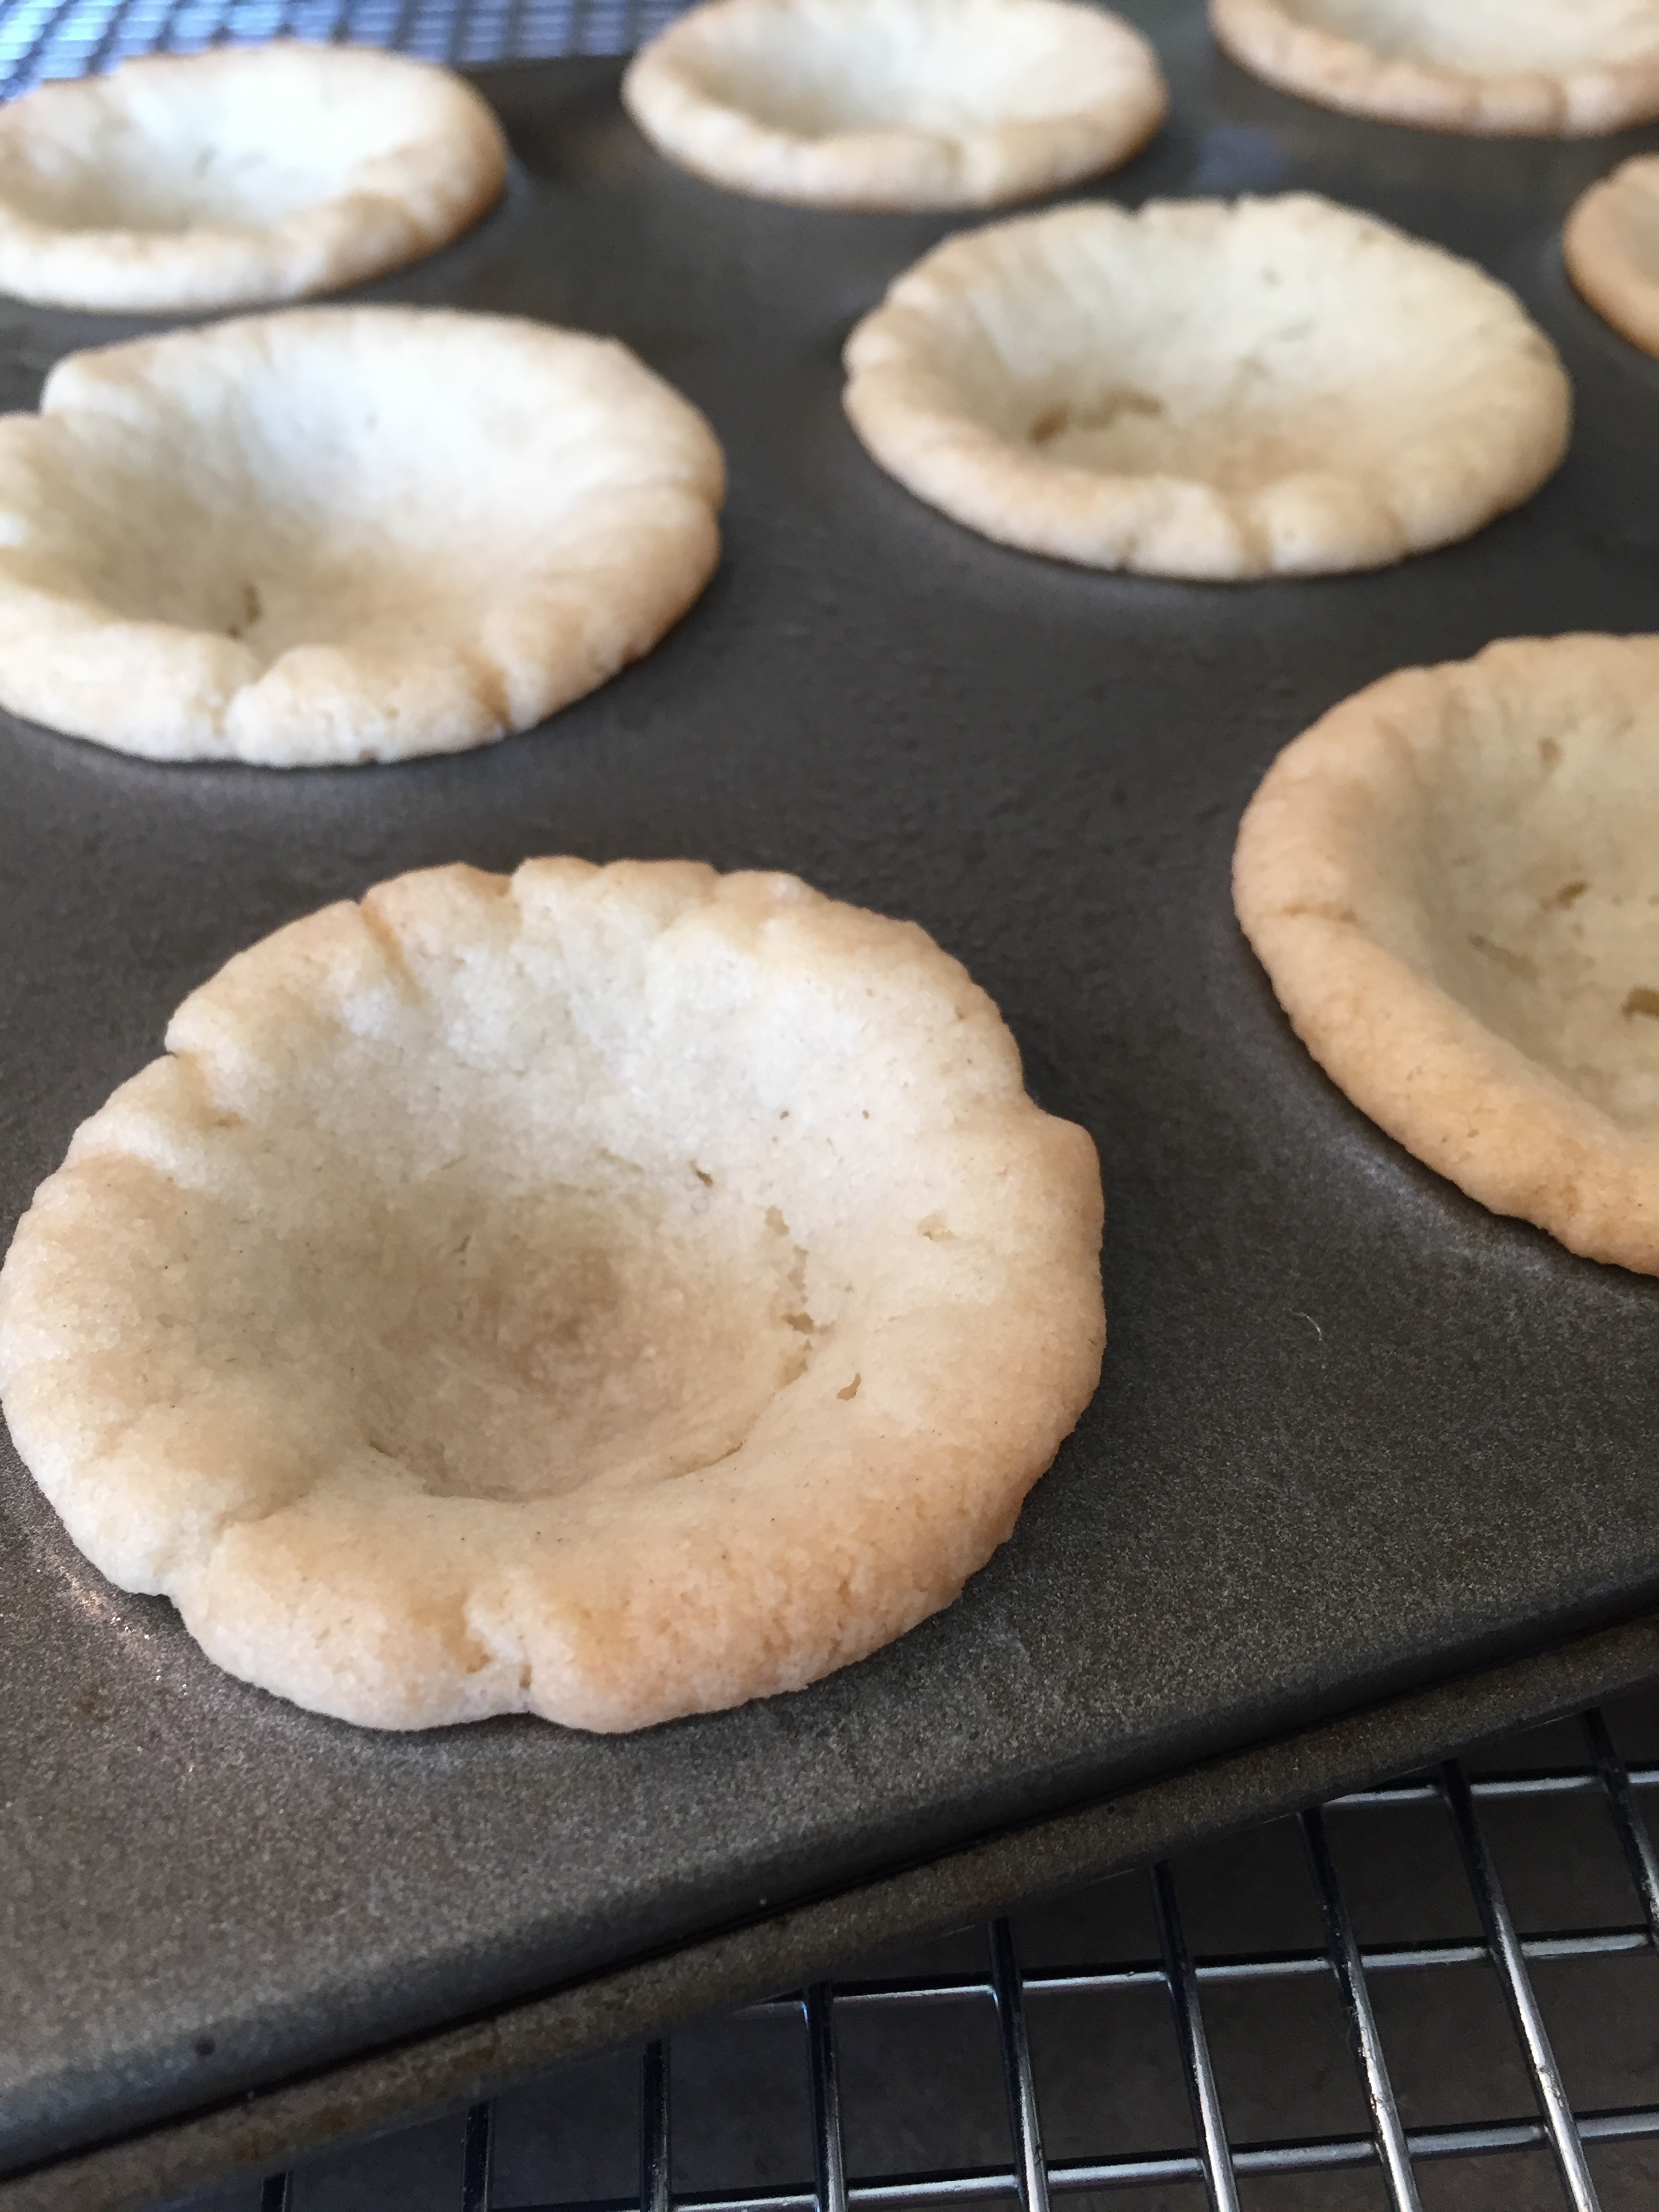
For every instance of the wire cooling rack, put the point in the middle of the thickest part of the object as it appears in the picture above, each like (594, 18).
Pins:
(42, 39)
(1122, 2039)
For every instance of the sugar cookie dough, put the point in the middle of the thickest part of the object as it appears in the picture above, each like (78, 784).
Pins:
(896, 103)
(1208, 388)
(604, 1293)
(1611, 243)
(244, 175)
(1453, 881)
(1526, 68)
(343, 534)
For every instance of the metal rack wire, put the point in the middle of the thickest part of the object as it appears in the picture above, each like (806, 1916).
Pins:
(1219, 2168)
(43, 38)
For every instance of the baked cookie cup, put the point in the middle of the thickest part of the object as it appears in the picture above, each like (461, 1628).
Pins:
(339, 535)
(896, 103)
(1523, 69)
(1453, 883)
(1611, 246)
(1207, 389)
(602, 1293)
(244, 176)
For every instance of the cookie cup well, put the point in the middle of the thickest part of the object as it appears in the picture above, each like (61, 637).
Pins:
(238, 177)
(1526, 69)
(606, 1293)
(1611, 245)
(337, 535)
(1207, 389)
(1451, 881)
(896, 103)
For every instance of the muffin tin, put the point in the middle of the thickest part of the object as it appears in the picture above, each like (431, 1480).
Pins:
(1370, 1471)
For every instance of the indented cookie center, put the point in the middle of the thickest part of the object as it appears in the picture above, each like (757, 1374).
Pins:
(227, 145)
(1231, 349)
(528, 1346)
(272, 590)
(285, 516)
(133, 183)
(1215, 437)
(877, 69)
(1128, 388)
(1491, 37)
(1546, 919)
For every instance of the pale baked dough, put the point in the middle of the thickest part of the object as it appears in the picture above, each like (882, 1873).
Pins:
(1206, 389)
(606, 1293)
(1530, 69)
(342, 534)
(1453, 881)
(247, 174)
(896, 103)
(1611, 243)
